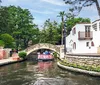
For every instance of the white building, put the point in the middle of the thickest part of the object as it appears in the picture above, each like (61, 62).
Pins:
(84, 38)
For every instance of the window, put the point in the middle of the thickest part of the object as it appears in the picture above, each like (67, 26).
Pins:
(74, 45)
(92, 43)
(74, 31)
(94, 26)
(87, 28)
(87, 31)
(87, 44)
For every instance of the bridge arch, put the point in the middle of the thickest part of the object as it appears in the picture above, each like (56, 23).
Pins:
(38, 46)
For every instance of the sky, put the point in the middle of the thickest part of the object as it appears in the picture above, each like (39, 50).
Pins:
(45, 9)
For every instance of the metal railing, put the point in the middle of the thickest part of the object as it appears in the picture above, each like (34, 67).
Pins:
(85, 35)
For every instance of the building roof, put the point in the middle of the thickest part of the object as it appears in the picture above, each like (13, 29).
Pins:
(79, 23)
(96, 20)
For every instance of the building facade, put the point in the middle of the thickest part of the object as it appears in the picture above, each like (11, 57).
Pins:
(84, 38)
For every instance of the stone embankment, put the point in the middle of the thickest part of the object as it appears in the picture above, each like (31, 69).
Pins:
(8, 61)
(92, 73)
(83, 60)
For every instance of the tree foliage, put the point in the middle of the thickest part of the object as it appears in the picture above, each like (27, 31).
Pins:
(2, 43)
(3, 20)
(19, 24)
(50, 33)
(8, 39)
(77, 5)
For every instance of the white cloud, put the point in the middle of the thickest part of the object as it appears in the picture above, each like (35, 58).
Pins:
(55, 2)
(43, 9)
(41, 12)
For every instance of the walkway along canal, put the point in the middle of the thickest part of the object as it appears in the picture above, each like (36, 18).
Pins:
(28, 72)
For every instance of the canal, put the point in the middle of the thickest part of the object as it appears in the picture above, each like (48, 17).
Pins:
(27, 73)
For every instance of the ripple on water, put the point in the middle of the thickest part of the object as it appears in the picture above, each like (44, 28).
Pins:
(52, 81)
(26, 73)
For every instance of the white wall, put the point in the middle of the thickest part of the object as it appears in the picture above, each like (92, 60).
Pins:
(80, 44)
(82, 48)
(96, 34)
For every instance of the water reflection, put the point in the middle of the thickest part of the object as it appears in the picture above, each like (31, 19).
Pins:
(27, 73)
(42, 66)
(4, 70)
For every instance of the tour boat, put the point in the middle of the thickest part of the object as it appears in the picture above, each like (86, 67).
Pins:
(45, 57)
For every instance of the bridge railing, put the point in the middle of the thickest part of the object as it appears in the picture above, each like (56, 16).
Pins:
(44, 45)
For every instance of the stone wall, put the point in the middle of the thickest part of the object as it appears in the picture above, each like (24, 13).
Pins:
(4, 53)
(7, 50)
(83, 60)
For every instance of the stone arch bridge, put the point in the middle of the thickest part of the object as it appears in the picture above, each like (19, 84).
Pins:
(55, 48)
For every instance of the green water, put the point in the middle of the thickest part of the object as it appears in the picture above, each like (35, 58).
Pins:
(26, 73)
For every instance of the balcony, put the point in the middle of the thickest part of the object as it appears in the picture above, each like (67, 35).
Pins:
(85, 35)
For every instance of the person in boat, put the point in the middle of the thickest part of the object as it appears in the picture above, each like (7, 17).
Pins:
(47, 52)
(44, 53)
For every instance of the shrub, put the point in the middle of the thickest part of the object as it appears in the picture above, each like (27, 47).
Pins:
(89, 68)
(22, 55)
(2, 43)
(8, 39)
(55, 54)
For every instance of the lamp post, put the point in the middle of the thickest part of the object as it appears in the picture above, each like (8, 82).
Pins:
(65, 34)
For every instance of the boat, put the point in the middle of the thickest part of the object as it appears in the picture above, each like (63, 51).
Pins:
(44, 57)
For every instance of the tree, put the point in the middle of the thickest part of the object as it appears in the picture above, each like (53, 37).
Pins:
(18, 23)
(3, 19)
(17, 37)
(19, 18)
(50, 33)
(21, 21)
(36, 35)
(62, 14)
(77, 5)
